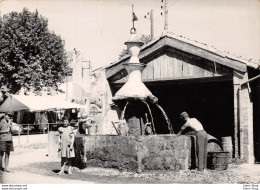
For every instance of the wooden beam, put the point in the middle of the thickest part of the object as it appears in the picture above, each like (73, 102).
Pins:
(115, 69)
(155, 49)
(151, 50)
(192, 49)
(118, 76)
(179, 80)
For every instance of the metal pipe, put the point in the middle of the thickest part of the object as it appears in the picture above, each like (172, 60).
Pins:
(152, 28)
(239, 121)
(250, 80)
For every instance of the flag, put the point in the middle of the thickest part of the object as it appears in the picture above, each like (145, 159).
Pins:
(134, 17)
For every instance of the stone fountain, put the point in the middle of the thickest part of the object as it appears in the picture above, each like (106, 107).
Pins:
(136, 93)
(135, 151)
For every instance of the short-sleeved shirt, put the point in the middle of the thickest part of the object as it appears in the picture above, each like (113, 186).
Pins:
(194, 124)
(5, 131)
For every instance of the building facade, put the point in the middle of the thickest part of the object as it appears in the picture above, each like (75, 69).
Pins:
(78, 84)
(185, 75)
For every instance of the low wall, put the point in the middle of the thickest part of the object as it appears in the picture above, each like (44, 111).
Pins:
(53, 144)
(134, 153)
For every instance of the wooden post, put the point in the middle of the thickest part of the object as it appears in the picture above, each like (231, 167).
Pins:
(152, 28)
(19, 137)
(28, 133)
(67, 87)
(165, 16)
(243, 118)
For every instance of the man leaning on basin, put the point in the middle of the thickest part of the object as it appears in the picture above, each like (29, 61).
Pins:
(200, 133)
(195, 125)
(201, 136)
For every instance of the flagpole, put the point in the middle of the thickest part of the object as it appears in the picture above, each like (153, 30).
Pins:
(133, 15)
(165, 15)
(134, 18)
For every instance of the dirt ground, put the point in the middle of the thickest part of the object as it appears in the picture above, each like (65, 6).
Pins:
(33, 166)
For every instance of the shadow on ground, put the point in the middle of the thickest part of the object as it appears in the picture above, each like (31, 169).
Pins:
(233, 175)
(52, 168)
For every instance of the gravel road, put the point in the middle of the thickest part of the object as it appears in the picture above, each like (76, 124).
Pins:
(33, 166)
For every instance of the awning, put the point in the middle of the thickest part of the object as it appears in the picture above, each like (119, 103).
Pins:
(36, 103)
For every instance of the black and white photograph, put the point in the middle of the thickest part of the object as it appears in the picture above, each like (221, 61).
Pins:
(126, 92)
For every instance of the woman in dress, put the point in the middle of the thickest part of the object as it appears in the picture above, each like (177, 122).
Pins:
(67, 136)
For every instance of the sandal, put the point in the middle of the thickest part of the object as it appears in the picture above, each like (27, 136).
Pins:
(60, 173)
(6, 170)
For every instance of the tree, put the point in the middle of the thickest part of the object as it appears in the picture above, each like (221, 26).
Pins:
(144, 38)
(31, 56)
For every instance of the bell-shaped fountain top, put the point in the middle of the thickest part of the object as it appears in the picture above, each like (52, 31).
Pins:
(134, 88)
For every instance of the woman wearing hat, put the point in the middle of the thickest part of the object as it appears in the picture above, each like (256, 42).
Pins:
(6, 143)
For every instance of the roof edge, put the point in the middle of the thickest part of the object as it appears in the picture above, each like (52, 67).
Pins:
(211, 49)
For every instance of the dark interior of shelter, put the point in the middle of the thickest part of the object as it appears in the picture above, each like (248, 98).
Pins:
(211, 102)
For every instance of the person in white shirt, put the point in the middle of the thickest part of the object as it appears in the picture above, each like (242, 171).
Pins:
(6, 141)
(201, 136)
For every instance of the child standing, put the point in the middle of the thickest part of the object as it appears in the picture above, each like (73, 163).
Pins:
(67, 136)
(6, 142)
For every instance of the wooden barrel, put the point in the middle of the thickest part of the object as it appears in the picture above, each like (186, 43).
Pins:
(218, 160)
(214, 146)
(227, 145)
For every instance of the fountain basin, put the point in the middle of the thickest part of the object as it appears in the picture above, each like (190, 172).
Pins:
(133, 153)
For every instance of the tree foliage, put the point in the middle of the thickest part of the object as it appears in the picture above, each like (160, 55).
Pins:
(31, 56)
(144, 38)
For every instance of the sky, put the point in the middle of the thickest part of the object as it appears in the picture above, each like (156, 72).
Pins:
(99, 28)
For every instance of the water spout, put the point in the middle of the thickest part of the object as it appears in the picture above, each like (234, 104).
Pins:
(166, 118)
(154, 132)
(123, 112)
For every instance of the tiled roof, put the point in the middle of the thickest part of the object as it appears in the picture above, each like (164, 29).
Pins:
(249, 62)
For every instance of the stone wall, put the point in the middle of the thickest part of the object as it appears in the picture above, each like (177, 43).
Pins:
(243, 119)
(133, 153)
(53, 144)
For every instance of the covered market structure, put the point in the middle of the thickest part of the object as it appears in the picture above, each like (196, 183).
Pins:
(219, 89)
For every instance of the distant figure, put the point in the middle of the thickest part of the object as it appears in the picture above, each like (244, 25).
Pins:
(123, 128)
(148, 126)
(66, 147)
(90, 127)
(148, 129)
(43, 121)
(201, 136)
(6, 141)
